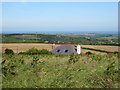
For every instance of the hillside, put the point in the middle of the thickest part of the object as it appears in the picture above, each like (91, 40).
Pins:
(92, 39)
(110, 38)
(60, 71)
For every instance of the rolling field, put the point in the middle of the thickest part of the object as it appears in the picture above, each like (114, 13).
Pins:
(21, 47)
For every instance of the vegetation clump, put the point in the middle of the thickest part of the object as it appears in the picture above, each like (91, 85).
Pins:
(73, 59)
(111, 69)
(45, 51)
(35, 61)
(89, 53)
(9, 51)
(34, 51)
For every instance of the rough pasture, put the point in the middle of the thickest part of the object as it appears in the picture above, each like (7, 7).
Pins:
(60, 71)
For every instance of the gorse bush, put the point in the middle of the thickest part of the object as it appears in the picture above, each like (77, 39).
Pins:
(107, 79)
(8, 67)
(111, 69)
(45, 51)
(9, 51)
(34, 51)
(35, 61)
(73, 59)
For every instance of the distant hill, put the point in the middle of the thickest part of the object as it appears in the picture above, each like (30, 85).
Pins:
(92, 39)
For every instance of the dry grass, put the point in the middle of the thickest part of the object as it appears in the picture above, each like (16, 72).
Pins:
(102, 47)
(21, 47)
(84, 51)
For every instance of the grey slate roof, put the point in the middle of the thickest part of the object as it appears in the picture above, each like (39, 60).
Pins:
(65, 49)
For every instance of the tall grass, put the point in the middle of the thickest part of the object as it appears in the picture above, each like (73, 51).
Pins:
(60, 71)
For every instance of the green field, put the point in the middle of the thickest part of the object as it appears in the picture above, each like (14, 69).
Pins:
(60, 71)
(85, 39)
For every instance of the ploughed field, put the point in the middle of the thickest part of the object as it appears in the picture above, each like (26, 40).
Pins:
(22, 47)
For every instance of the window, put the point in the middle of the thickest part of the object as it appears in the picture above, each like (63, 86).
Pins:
(66, 51)
(58, 50)
(75, 49)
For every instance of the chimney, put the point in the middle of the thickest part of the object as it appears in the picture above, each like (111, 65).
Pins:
(78, 49)
(53, 46)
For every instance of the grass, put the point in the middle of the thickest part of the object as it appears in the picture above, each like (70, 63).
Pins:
(60, 71)
(98, 50)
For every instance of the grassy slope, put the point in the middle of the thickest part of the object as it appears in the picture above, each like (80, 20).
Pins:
(54, 71)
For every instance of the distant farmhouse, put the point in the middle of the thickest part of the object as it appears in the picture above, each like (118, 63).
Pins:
(67, 49)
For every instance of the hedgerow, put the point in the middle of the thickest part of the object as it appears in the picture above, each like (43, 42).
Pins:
(34, 51)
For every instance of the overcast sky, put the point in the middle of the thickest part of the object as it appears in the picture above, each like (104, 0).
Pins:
(59, 16)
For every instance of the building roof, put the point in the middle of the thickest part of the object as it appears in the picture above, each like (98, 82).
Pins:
(65, 49)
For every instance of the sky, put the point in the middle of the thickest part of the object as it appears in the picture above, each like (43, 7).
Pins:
(37, 17)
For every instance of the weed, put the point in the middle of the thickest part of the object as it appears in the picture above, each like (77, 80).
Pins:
(73, 59)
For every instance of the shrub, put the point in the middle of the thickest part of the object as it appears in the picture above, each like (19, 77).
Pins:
(24, 53)
(45, 51)
(35, 61)
(116, 52)
(9, 51)
(88, 52)
(111, 69)
(34, 51)
(73, 59)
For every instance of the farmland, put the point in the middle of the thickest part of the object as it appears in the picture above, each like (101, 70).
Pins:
(21, 47)
(84, 39)
(61, 44)
(60, 71)
(96, 70)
